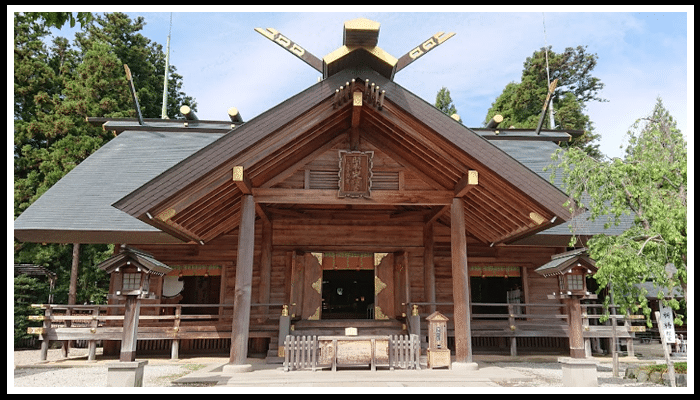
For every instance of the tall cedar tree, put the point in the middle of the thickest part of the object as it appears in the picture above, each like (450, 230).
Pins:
(443, 102)
(520, 104)
(54, 90)
(650, 184)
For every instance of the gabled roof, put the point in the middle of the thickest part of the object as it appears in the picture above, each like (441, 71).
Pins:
(138, 258)
(510, 200)
(77, 209)
(563, 262)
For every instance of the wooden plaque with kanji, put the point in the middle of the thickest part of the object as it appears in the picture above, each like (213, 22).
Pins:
(355, 173)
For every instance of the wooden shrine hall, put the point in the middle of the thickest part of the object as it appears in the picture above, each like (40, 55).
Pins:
(352, 205)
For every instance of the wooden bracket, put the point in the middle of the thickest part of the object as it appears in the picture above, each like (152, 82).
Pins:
(356, 108)
(469, 180)
(242, 180)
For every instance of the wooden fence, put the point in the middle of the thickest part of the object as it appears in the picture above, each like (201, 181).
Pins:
(172, 323)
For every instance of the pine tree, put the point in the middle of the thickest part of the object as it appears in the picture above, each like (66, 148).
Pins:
(520, 104)
(443, 102)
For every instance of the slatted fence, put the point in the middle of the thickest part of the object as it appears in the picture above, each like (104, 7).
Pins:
(300, 352)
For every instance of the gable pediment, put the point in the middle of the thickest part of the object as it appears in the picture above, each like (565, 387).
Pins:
(279, 155)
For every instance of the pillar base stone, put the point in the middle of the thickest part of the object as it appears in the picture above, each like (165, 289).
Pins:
(236, 368)
(579, 372)
(125, 373)
(464, 366)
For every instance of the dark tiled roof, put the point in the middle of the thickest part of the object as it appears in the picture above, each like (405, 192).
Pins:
(78, 207)
(536, 155)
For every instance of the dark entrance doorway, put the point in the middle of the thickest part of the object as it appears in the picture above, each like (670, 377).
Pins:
(347, 294)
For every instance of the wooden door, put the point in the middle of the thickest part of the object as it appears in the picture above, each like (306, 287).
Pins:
(384, 286)
(313, 276)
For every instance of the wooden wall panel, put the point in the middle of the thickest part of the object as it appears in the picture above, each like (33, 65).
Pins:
(370, 236)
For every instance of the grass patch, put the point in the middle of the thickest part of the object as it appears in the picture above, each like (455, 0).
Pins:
(679, 368)
(188, 367)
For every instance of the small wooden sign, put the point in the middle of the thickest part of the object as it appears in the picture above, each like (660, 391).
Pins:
(355, 173)
(637, 328)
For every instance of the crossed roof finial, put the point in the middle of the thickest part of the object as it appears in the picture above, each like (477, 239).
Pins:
(360, 38)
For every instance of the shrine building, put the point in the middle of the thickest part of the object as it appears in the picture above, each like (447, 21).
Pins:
(353, 204)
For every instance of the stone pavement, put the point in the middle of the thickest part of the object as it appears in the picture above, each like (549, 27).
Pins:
(273, 375)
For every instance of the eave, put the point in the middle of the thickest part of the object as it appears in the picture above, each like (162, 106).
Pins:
(199, 198)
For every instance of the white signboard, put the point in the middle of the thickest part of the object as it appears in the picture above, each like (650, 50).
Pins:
(666, 323)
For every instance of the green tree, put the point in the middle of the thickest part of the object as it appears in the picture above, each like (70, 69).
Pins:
(650, 184)
(58, 19)
(443, 102)
(27, 291)
(55, 88)
(145, 58)
(520, 104)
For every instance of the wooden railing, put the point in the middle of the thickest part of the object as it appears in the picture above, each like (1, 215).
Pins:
(511, 321)
(93, 323)
(176, 322)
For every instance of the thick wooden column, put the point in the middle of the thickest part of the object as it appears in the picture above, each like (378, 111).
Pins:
(576, 342)
(265, 264)
(429, 266)
(132, 308)
(244, 279)
(460, 284)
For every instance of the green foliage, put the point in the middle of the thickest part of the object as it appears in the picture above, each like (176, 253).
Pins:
(443, 102)
(58, 19)
(56, 87)
(521, 104)
(27, 291)
(649, 184)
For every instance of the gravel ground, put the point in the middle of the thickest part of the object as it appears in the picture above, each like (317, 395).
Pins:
(544, 374)
(84, 375)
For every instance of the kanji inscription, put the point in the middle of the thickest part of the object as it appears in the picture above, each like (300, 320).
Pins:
(355, 173)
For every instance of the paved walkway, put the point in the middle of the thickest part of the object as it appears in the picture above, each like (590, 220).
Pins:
(273, 375)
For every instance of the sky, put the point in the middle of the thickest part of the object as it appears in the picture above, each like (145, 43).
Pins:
(641, 55)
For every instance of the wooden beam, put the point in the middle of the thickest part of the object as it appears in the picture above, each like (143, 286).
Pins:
(330, 196)
(240, 177)
(469, 180)
(420, 50)
(292, 47)
(495, 120)
(460, 284)
(356, 108)
(188, 113)
(134, 98)
(235, 115)
(244, 281)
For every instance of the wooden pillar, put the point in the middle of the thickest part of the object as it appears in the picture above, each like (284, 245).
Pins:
(460, 284)
(244, 278)
(576, 344)
(265, 265)
(132, 308)
(429, 266)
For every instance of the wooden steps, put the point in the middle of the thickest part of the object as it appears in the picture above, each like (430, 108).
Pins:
(330, 327)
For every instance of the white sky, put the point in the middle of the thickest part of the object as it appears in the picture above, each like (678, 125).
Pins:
(225, 63)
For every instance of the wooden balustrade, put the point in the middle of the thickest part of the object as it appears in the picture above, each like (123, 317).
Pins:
(175, 322)
(172, 322)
